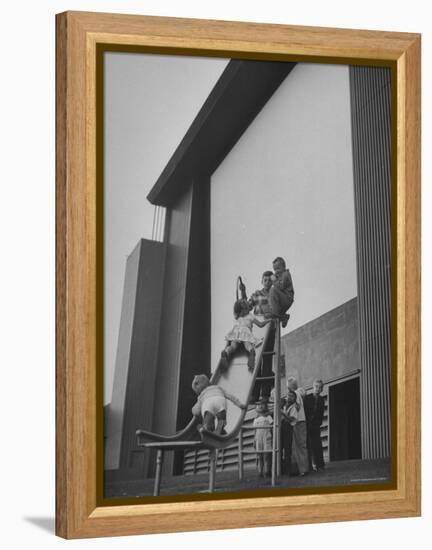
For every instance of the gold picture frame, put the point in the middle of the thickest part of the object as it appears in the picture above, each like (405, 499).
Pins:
(81, 37)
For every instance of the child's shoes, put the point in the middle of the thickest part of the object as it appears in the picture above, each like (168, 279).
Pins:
(251, 361)
(224, 361)
(285, 319)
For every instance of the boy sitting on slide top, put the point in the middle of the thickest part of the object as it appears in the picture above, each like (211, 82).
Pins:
(281, 295)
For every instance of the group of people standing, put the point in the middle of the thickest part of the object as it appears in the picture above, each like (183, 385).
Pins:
(301, 419)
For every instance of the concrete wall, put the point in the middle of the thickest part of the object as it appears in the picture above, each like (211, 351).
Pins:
(171, 329)
(164, 336)
(184, 343)
(135, 374)
(196, 337)
(114, 412)
(286, 189)
(326, 348)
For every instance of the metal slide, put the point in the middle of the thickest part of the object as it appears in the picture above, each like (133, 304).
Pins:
(237, 380)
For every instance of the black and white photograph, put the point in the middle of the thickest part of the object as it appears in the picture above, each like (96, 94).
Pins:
(247, 276)
(216, 255)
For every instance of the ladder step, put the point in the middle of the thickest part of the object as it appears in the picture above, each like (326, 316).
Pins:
(268, 352)
(265, 377)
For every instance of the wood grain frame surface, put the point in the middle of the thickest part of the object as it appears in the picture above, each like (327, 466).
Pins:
(78, 513)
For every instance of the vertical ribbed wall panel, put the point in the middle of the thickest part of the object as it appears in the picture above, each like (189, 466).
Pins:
(370, 114)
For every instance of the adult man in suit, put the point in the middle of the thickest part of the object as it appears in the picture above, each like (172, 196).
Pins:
(314, 410)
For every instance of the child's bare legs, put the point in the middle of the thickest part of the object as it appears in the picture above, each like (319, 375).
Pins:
(221, 422)
(260, 464)
(227, 352)
(209, 421)
(230, 348)
(251, 359)
(267, 461)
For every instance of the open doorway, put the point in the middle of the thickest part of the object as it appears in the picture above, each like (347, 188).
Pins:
(344, 420)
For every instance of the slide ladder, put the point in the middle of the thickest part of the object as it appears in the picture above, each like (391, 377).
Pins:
(276, 427)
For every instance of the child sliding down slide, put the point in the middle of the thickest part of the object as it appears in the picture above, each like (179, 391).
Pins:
(211, 404)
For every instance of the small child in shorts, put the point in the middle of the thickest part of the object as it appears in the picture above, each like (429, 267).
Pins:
(211, 404)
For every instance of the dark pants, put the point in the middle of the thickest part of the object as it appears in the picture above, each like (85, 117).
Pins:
(286, 446)
(314, 445)
(280, 302)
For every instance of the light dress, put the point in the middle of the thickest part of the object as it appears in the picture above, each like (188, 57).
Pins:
(263, 436)
(242, 331)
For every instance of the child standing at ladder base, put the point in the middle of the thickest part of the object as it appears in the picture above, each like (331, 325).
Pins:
(263, 438)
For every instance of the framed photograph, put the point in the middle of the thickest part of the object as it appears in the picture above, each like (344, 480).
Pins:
(238, 275)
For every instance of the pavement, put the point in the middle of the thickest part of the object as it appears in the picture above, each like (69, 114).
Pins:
(335, 474)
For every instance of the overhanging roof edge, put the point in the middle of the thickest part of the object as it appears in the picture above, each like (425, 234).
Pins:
(243, 88)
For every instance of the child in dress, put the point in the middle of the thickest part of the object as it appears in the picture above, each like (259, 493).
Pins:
(211, 404)
(263, 438)
(241, 334)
